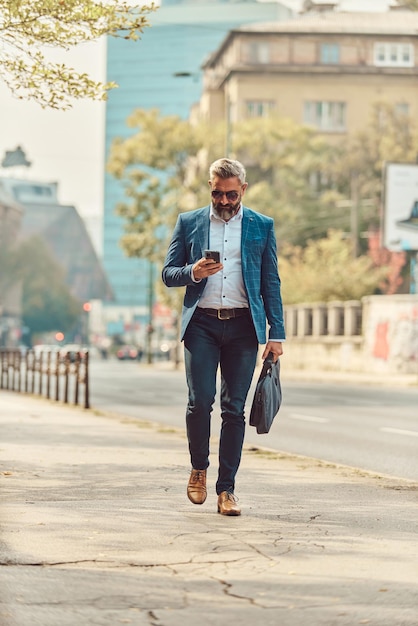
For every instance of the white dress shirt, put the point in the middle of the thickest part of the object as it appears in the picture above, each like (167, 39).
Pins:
(225, 289)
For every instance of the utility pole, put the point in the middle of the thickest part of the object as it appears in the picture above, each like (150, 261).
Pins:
(355, 204)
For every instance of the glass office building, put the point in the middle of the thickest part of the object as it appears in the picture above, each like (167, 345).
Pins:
(182, 34)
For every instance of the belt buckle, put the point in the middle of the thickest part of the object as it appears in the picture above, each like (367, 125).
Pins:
(227, 316)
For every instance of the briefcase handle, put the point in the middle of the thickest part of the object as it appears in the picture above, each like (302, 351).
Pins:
(267, 363)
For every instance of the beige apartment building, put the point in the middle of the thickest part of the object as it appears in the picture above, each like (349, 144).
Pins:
(324, 69)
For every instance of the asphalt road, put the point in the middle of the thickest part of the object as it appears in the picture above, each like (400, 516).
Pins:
(369, 427)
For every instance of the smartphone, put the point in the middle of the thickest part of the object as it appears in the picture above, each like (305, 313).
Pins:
(213, 254)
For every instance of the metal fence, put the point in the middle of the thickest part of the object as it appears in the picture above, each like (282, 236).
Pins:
(59, 376)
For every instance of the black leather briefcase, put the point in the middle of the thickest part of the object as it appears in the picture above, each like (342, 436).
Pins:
(267, 397)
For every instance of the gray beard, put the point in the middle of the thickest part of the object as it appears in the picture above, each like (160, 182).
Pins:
(226, 213)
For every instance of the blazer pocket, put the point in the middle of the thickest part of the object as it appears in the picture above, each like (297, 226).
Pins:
(257, 243)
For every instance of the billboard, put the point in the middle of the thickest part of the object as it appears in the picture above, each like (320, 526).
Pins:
(400, 225)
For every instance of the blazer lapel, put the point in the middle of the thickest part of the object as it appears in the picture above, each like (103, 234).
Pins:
(247, 221)
(202, 230)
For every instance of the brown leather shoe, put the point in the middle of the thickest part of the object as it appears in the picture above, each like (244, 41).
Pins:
(227, 504)
(196, 488)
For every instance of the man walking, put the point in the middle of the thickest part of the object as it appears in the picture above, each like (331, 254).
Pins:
(226, 305)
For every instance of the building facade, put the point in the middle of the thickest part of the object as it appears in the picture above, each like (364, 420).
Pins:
(162, 71)
(325, 70)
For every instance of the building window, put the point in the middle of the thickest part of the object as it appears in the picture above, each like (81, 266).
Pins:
(33, 193)
(259, 108)
(393, 54)
(327, 116)
(258, 52)
(330, 53)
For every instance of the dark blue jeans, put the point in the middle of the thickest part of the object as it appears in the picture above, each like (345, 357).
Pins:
(232, 344)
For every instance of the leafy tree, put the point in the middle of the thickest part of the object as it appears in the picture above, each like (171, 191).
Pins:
(325, 270)
(389, 136)
(9, 263)
(150, 164)
(47, 302)
(158, 166)
(284, 162)
(28, 27)
(359, 161)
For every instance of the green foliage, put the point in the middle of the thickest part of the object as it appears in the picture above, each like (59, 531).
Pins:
(358, 164)
(326, 270)
(9, 264)
(159, 144)
(171, 147)
(151, 165)
(284, 161)
(389, 137)
(47, 302)
(29, 27)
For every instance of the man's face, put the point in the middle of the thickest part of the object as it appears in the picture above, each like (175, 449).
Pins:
(226, 196)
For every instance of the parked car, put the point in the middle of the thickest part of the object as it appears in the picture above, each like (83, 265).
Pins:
(71, 349)
(125, 353)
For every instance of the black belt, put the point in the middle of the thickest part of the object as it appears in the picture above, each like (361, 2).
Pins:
(225, 314)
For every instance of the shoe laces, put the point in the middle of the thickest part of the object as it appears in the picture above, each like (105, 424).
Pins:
(198, 476)
(231, 496)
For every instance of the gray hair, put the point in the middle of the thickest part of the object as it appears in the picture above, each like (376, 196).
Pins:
(227, 168)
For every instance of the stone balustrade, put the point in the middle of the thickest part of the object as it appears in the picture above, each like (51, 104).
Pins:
(319, 319)
(377, 334)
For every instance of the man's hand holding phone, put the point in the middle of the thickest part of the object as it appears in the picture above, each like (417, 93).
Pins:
(213, 254)
(207, 266)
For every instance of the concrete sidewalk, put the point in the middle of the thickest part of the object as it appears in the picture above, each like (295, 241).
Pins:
(96, 529)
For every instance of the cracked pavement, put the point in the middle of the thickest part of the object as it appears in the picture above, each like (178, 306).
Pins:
(96, 529)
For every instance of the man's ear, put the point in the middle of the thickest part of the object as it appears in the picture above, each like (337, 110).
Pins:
(244, 188)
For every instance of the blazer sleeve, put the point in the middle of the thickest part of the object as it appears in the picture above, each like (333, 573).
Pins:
(177, 268)
(271, 287)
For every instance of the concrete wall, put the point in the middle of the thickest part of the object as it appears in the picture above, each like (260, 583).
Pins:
(390, 331)
(377, 335)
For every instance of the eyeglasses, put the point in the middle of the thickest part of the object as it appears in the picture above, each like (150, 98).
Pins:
(231, 196)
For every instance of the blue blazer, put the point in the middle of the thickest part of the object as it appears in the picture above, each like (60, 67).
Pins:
(259, 267)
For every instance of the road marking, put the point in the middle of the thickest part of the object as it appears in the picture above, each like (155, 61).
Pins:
(399, 431)
(308, 418)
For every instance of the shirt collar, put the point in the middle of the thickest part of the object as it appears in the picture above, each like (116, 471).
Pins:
(215, 216)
